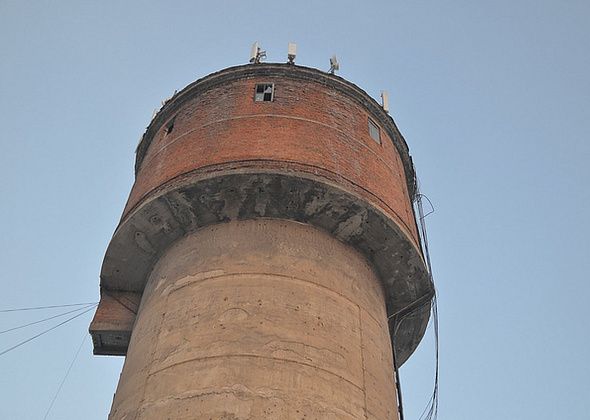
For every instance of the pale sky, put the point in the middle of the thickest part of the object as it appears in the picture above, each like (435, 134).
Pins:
(493, 99)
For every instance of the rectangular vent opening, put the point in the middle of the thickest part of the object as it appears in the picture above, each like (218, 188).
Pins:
(264, 92)
(374, 131)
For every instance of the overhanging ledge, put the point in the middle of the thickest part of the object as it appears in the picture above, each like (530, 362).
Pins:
(204, 199)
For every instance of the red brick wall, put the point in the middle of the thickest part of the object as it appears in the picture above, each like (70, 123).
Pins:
(307, 124)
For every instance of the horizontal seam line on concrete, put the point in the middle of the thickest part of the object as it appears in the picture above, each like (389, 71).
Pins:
(215, 277)
(255, 356)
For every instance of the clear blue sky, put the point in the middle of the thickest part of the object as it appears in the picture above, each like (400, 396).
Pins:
(492, 97)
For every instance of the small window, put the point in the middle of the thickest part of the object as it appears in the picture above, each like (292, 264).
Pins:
(169, 127)
(374, 131)
(264, 92)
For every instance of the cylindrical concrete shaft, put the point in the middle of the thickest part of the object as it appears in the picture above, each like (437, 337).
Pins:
(261, 319)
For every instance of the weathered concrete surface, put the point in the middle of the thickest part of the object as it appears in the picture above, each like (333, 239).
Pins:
(260, 319)
(275, 250)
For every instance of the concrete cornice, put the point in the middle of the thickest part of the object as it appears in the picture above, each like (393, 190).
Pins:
(206, 198)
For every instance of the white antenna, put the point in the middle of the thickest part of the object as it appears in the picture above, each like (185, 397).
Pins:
(385, 100)
(253, 52)
(256, 54)
(334, 64)
(291, 52)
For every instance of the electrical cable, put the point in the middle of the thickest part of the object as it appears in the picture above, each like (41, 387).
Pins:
(45, 319)
(398, 385)
(47, 307)
(65, 376)
(431, 410)
(46, 331)
(429, 202)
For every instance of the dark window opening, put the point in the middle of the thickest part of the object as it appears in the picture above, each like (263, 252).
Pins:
(374, 131)
(169, 127)
(264, 92)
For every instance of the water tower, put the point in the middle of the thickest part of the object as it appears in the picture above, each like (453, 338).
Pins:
(268, 259)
